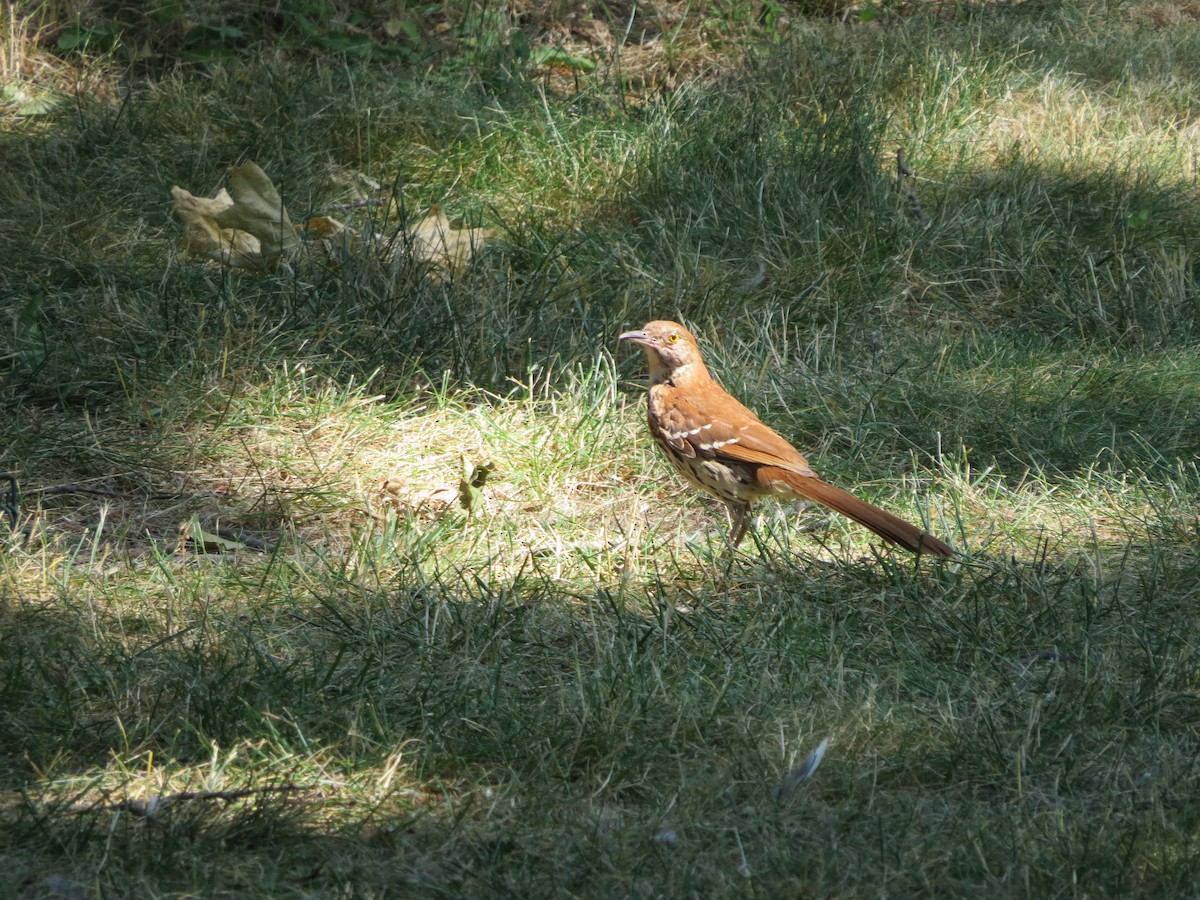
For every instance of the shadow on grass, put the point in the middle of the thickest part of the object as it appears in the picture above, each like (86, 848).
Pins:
(462, 731)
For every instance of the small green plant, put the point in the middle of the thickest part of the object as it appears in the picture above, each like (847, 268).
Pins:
(98, 37)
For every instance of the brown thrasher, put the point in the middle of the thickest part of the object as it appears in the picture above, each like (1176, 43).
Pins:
(722, 448)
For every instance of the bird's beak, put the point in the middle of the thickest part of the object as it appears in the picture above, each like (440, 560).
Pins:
(637, 337)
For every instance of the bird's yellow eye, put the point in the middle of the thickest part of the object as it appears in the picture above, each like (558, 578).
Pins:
(673, 338)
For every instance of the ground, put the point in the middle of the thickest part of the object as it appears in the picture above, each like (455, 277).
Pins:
(354, 571)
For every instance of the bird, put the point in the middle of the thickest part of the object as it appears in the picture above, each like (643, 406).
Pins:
(722, 448)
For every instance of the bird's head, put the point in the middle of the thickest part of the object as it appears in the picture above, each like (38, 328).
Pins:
(671, 351)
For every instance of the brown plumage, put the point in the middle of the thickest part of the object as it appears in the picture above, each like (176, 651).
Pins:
(724, 449)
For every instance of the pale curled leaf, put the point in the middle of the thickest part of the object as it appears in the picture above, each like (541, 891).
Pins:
(334, 239)
(258, 209)
(354, 185)
(440, 498)
(245, 227)
(191, 208)
(204, 237)
(325, 227)
(448, 250)
(400, 494)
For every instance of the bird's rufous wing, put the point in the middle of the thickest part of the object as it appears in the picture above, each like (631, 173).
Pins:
(703, 426)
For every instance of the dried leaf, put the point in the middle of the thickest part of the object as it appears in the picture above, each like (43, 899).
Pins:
(325, 226)
(440, 498)
(331, 237)
(245, 227)
(448, 250)
(258, 209)
(354, 185)
(204, 237)
(394, 484)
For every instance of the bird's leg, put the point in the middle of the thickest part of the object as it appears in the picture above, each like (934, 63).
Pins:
(739, 516)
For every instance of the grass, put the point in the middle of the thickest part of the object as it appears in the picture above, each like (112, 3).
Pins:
(254, 644)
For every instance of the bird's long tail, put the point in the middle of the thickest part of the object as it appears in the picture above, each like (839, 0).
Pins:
(879, 521)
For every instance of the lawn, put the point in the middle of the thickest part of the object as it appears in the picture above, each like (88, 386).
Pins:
(355, 572)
